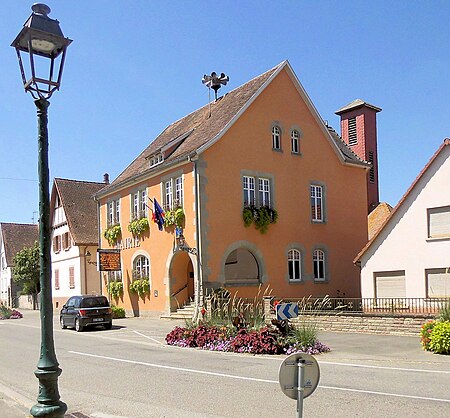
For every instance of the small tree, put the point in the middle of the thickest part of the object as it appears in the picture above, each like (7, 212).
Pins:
(26, 271)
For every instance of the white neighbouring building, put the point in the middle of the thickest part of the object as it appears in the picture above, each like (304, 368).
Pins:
(13, 238)
(74, 239)
(409, 256)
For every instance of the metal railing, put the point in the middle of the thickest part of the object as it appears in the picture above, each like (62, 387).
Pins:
(402, 306)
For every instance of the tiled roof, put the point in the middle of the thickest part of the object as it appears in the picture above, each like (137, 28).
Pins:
(402, 200)
(203, 126)
(348, 154)
(16, 237)
(377, 217)
(355, 104)
(77, 198)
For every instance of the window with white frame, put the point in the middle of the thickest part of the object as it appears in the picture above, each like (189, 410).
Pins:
(438, 282)
(139, 206)
(316, 203)
(264, 191)
(141, 267)
(156, 159)
(173, 193)
(295, 265)
(276, 137)
(114, 276)
(295, 142)
(439, 222)
(249, 190)
(319, 265)
(113, 215)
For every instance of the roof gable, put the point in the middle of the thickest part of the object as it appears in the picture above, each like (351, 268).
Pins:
(16, 237)
(80, 208)
(205, 126)
(403, 200)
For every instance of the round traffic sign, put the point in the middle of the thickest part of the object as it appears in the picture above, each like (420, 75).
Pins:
(288, 374)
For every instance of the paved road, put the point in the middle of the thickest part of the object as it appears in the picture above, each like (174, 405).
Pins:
(129, 372)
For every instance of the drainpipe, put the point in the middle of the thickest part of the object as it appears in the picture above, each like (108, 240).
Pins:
(99, 239)
(199, 288)
(85, 270)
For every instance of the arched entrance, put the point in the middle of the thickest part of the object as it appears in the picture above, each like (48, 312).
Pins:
(241, 267)
(181, 274)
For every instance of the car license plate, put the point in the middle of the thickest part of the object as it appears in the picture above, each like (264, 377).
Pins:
(98, 319)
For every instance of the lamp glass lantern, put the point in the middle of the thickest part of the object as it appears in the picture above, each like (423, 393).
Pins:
(41, 38)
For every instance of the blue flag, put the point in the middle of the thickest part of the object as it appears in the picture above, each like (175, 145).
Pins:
(158, 215)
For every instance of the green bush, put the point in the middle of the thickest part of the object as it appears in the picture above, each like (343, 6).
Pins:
(112, 234)
(425, 334)
(117, 312)
(440, 338)
(138, 226)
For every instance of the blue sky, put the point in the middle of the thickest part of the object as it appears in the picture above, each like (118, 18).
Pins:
(136, 66)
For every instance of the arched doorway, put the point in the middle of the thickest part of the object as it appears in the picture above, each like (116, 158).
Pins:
(181, 274)
(241, 267)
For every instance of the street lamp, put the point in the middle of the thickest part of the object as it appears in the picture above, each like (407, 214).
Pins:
(42, 38)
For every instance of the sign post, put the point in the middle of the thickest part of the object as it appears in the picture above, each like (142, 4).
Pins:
(299, 376)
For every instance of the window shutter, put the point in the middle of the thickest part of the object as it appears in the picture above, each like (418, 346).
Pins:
(439, 222)
(56, 279)
(438, 283)
(72, 277)
(390, 285)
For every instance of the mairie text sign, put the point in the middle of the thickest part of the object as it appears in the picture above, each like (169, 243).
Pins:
(287, 311)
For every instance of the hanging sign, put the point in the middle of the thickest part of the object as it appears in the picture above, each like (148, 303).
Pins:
(108, 260)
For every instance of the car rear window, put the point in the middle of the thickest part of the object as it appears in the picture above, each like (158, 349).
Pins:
(94, 301)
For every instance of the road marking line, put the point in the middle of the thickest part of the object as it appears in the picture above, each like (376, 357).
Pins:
(254, 379)
(385, 394)
(182, 369)
(385, 367)
(150, 338)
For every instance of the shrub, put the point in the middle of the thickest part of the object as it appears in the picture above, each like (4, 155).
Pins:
(117, 312)
(440, 338)
(444, 312)
(425, 334)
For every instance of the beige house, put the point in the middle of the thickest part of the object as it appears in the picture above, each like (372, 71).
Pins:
(74, 239)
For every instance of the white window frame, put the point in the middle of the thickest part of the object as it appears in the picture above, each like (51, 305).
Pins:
(276, 137)
(248, 184)
(113, 212)
(319, 265)
(264, 191)
(139, 207)
(173, 189)
(438, 220)
(317, 207)
(295, 141)
(141, 267)
(295, 260)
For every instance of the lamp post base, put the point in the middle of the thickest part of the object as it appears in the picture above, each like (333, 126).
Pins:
(49, 405)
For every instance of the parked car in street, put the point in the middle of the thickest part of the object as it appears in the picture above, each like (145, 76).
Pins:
(87, 310)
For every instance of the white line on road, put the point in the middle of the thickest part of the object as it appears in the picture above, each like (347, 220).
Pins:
(385, 367)
(182, 369)
(150, 338)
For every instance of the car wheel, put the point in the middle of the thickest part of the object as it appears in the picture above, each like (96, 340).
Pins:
(108, 325)
(78, 326)
(61, 321)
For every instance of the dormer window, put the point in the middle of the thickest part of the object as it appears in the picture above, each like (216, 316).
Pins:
(156, 159)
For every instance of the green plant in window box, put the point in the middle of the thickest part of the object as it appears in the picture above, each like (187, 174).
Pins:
(261, 217)
(174, 217)
(112, 234)
(140, 286)
(138, 226)
(115, 289)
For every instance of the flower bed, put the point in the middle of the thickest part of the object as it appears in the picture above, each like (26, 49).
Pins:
(7, 313)
(267, 340)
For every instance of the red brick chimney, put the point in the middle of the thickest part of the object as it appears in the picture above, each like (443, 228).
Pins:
(359, 132)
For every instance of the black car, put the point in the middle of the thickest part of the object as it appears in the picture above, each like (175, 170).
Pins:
(81, 311)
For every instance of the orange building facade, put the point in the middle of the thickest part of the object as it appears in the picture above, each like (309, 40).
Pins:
(272, 199)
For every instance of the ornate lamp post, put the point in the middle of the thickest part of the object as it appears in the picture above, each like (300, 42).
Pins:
(42, 39)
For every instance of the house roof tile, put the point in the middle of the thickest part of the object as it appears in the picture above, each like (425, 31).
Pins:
(16, 237)
(77, 198)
